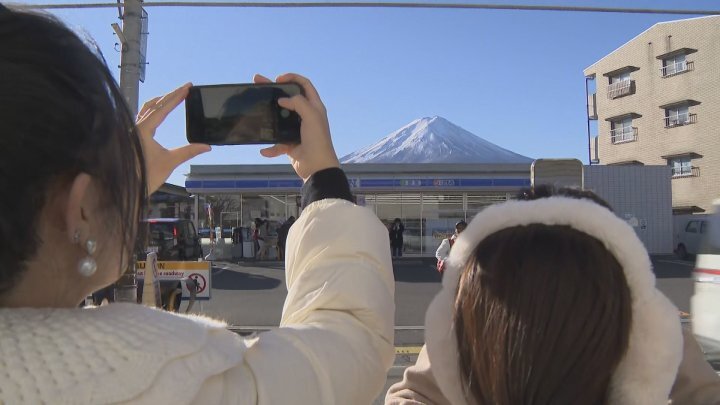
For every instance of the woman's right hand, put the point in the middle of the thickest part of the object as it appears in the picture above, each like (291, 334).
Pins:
(316, 151)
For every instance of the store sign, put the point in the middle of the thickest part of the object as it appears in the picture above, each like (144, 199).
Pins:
(200, 272)
(358, 183)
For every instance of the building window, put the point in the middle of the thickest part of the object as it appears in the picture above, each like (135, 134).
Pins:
(620, 77)
(622, 131)
(676, 64)
(682, 167)
(620, 85)
(678, 116)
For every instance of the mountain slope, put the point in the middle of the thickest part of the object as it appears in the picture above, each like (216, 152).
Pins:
(433, 140)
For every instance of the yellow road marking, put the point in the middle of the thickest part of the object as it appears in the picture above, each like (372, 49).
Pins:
(407, 349)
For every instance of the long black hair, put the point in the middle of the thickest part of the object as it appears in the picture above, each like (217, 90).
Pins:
(61, 114)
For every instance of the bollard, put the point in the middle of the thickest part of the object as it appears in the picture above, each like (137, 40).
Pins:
(151, 287)
(126, 287)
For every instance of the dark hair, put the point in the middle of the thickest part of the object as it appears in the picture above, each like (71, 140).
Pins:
(542, 316)
(461, 224)
(61, 114)
(546, 190)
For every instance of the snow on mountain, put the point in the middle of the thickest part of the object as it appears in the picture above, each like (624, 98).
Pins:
(433, 140)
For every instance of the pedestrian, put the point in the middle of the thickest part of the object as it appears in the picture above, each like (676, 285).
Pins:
(443, 251)
(261, 228)
(80, 177)
(396, 237)
(255, 228)
(553, 300)
(283, 232)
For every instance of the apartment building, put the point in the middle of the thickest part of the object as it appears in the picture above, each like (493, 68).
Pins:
(656, 100)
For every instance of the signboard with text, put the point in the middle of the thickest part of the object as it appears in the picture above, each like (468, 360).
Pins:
(200, 272)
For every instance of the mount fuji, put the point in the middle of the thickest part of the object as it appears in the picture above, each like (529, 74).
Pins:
(433, 140)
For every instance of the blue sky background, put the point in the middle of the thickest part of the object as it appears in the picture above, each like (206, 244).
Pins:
(512, 77)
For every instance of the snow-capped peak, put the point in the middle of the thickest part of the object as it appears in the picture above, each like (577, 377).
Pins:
(433, 140)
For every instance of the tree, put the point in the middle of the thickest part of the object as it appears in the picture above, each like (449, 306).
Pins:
(222, 203)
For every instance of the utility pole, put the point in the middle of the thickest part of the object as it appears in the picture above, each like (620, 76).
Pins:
(132, 63)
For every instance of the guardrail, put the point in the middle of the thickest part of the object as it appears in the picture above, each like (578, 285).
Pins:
(677, 68)
(624, 135)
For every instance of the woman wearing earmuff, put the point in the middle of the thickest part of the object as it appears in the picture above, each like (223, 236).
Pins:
(553, 301)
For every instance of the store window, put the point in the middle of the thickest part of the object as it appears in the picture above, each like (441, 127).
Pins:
(412, 219)
(440, 213)
(478, 202)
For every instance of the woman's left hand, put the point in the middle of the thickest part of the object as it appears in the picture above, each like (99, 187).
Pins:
(159, 161)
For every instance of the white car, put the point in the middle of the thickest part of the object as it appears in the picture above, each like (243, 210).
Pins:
(705, 303)
(690, 236)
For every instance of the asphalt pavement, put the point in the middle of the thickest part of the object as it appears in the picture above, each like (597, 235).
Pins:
(251, 294)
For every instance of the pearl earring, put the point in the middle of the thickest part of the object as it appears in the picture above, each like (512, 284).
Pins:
(87, 265)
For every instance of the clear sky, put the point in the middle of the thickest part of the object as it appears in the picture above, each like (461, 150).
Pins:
(512, 77)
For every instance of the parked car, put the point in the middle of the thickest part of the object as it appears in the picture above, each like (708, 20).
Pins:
(689, 237)
(705, 303)
(172, 239)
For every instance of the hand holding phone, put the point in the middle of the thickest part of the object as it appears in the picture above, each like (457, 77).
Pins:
(316, 152)
(160, 161)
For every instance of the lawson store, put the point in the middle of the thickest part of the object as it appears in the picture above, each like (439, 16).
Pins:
(428, 198)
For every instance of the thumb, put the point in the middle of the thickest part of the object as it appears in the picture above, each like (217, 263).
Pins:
(184, 153)
(276, 150)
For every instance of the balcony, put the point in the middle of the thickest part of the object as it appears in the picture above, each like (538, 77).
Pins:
(592, 106)
(689, 171)
(623, 135)
(680, 120)
(595, 150)
(621, 89)
(677, 68)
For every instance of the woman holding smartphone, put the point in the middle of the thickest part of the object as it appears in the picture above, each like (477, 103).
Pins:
(78, 169)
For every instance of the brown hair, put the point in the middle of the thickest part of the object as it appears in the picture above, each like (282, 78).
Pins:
(542, 316)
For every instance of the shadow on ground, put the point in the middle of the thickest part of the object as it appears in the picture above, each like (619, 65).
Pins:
(667, 266)
(232, 280)
(274, 264)
(419, 270)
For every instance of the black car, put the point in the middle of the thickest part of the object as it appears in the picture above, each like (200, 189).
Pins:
(172, 239)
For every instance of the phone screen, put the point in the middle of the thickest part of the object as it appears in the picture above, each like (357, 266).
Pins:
(241, 114)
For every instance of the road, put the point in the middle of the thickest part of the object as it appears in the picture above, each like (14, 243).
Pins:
(251, 295)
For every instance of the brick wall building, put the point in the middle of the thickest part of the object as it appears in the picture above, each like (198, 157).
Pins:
(657, 102)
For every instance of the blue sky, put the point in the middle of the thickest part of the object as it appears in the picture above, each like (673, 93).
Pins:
(512, 77)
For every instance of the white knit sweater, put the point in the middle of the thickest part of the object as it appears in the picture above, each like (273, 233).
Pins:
(334, 347)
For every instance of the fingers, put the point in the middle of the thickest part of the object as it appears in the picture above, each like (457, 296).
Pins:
(298, 104)
(166, 104)
(310, 91)
(147, 106)
(276, 150)
(258, 78)
(184, 153)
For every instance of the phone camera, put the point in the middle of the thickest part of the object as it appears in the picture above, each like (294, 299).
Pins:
(284, 113)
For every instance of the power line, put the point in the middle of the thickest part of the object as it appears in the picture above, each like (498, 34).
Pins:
(457, 6)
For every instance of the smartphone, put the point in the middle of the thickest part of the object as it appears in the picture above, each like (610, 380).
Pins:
(241, 114)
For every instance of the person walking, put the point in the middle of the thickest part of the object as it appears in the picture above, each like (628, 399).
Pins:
(80, 177)
(397, 228)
